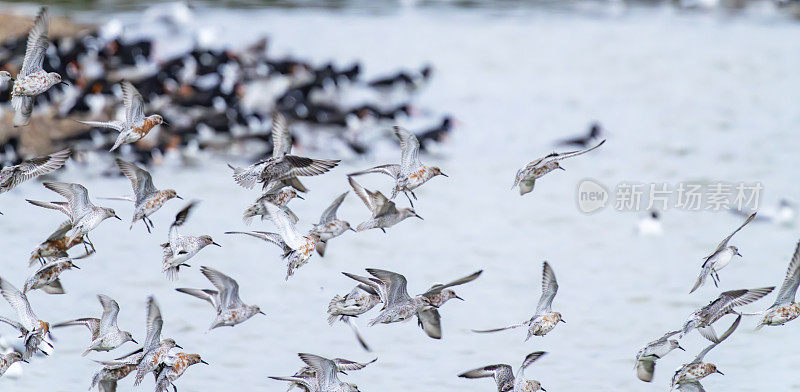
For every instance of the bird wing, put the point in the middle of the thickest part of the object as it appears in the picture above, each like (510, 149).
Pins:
(410, 149)
(227, 287)
(108, 321)
(212, 296)
(788, 289)
(286, 227)
(23, 109)
(118, 126)
(325, 368)
(281, 139)
(391, 170)
(724, 242)
(19, 302)
(329, 215)
(437, 288)
(564, 155)
(431, 321)
(395, 285)
(302, 166)
(37, 166)
(37, 44)
(691, 386)
(154, 324)
(140, 179)
(134, 105)
(724, 336)
(549, 289)
(347, 365)
(76, 194)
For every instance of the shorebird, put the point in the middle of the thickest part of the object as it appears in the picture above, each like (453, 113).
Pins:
(527, 176)
(136, 125)
(545, 319)
(33, 329)
(410, 174)
(225, 300)
(785, 308)
(174, 367)
(322, 377)
(384, 212)
(56, 246)
(181, 248)
(32, 80)
(6, 360)
(83, 215)
(12, 176)
(147, 199)
(342, 366)
(504, 375)
(46, 277)
(594, 133)
(281, 168)
(357, 302)
(155, 350)
(329, 225)
(702, 318)
(108, 336)
(297, 249)
(719, 258)
(398, 305)
(647, 356)
(693, 372)
(110, 372)
(5, 80)
(280, 196)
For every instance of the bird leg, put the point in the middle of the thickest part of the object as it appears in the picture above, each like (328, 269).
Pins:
(409, 198)
(145, 224)
(151, 222)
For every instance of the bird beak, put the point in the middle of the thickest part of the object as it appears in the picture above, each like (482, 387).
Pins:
(444, 174)
(178, 346)
(214, 243)
(562, 320)
(202, 361)
(262, 313)
(739, 254)
(455, 296)
(419, 216)
(26, 361)
(178, 197)
(134, 341)
(115, 216)
(75, 266)
(720, 372)
(353, 229)
(562, 168)
(164, 123)
(681, 348)
(64, 82)
(300, 197)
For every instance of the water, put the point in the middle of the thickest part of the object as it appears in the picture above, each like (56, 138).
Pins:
(694, 97)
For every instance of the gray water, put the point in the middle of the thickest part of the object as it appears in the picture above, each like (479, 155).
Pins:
(684, 98)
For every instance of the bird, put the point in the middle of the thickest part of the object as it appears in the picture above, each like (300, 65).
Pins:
(32, 80)
(410, 174)
(429, 318)
(650, 225)
(279, 197)
(56, 246)
(696, 370)
(595, 131)
(342, 366)
(181, 248)
(355, 303)
(12, 176)
(647, 356)
(323, 376)
(719, 258)
(398, 305)
(329, 225)
(225, 300)
(297, 248)
(702, 318)
(83, 215)
(136, 125)
(281, 167)
(155, 350)
(147, 199)
(33, 329)
(6, 360)
(384, 212)
(545, 319)
(108, 335)
(174, 367)
(785, 308)
(504, 375)
(527, 176)
(5, 79)
(112, 371)
(47, 276)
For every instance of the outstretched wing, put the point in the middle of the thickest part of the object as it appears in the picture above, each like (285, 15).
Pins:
(154, 324)
(286, 227)
(19, 302)
(395, 285)
(281, 140)
(140, 179)
(227, 286)
(437, 288)
(36, 167)
(571, 154)
(391, 170)
(549, 289)
(724, 242)
(134, 105)
(108, 321)
(789, 287)
(37, 44)
(410, 149)
(329, 215)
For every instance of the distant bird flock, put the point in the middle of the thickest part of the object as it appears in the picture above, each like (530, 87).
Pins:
(200, 101)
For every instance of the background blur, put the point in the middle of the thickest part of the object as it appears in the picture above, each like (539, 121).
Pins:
(701, 92)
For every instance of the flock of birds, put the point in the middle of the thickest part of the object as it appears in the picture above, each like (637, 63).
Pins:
(278, 176)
